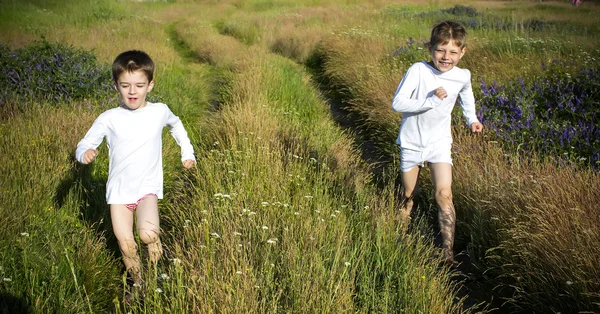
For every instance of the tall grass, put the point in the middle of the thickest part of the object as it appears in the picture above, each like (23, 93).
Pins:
(288, 222)
(281, 214)
(351, 62)
(278, 216)
(52, 257)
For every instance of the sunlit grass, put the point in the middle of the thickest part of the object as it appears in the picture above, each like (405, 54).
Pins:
(281, 214)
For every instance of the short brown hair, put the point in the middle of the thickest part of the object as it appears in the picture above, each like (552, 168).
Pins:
(444, 32)
(131, 61)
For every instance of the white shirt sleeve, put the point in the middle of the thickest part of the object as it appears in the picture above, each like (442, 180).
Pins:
(180, 135)
(468, 102)
(93, 138)
(403, 101)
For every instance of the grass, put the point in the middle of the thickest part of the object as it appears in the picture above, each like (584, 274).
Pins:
(282, 213)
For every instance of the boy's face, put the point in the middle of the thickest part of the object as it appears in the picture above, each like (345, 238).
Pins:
(445, 57)
(134, 87)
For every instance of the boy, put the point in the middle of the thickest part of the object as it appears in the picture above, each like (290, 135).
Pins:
(133, 133)
(426, 96)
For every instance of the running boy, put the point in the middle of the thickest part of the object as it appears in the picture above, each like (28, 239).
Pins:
(426, 96)
(133, 133)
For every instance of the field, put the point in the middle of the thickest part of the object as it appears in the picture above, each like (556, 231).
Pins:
(293, 204)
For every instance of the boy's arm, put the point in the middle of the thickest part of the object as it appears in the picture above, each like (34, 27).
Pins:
(92, 139)
(468, 102)
(403, 101)
(181, 137)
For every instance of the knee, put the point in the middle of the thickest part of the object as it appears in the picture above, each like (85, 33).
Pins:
(149, 236)
(443, 196)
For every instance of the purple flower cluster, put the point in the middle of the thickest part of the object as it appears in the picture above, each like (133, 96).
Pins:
(557, 115)
(412, 51)
(473, 19)
(51, 72)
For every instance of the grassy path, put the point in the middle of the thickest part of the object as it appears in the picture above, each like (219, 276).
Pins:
(291, 206)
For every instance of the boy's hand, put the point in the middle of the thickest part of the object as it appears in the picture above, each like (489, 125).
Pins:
(187, 164)
(476, 127)
(89, 156)
(440, 92)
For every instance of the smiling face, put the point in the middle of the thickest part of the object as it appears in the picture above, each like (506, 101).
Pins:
(133, 87)
(445, 56)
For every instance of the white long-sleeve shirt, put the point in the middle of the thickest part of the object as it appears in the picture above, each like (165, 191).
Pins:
(426, 118)
(134, 139)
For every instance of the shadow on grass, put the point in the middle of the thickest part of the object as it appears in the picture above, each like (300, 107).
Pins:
(13, 304)
(92, 207)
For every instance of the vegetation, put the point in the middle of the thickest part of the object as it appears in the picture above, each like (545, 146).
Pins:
(292, 206)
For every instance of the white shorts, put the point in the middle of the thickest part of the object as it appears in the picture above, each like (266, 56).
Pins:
(436, 154)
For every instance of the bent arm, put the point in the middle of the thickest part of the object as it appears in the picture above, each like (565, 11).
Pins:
(403, 99)
(92, 139)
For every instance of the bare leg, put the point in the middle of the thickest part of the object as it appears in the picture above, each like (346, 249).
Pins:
(409, 184)
(149, 227)
(441, 174)
(122, 223)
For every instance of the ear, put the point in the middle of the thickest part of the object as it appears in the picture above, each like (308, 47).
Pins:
(462, 52)
(150, 86)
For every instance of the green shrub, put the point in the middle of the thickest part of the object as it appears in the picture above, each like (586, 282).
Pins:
(52, 72)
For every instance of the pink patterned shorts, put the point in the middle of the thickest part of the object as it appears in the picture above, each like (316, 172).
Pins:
(132, 207)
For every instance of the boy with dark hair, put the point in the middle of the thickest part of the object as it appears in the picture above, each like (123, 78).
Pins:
(133, 133)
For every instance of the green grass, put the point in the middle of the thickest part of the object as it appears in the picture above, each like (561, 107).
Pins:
(281, 213)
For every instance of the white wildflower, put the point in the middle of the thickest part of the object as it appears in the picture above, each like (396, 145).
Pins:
(158, 290)
(265, 228)
(272, 241)
(25, 234)
(6, 279)
(176, 261)
(347, 264)
(164, 276)
(215, 235)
